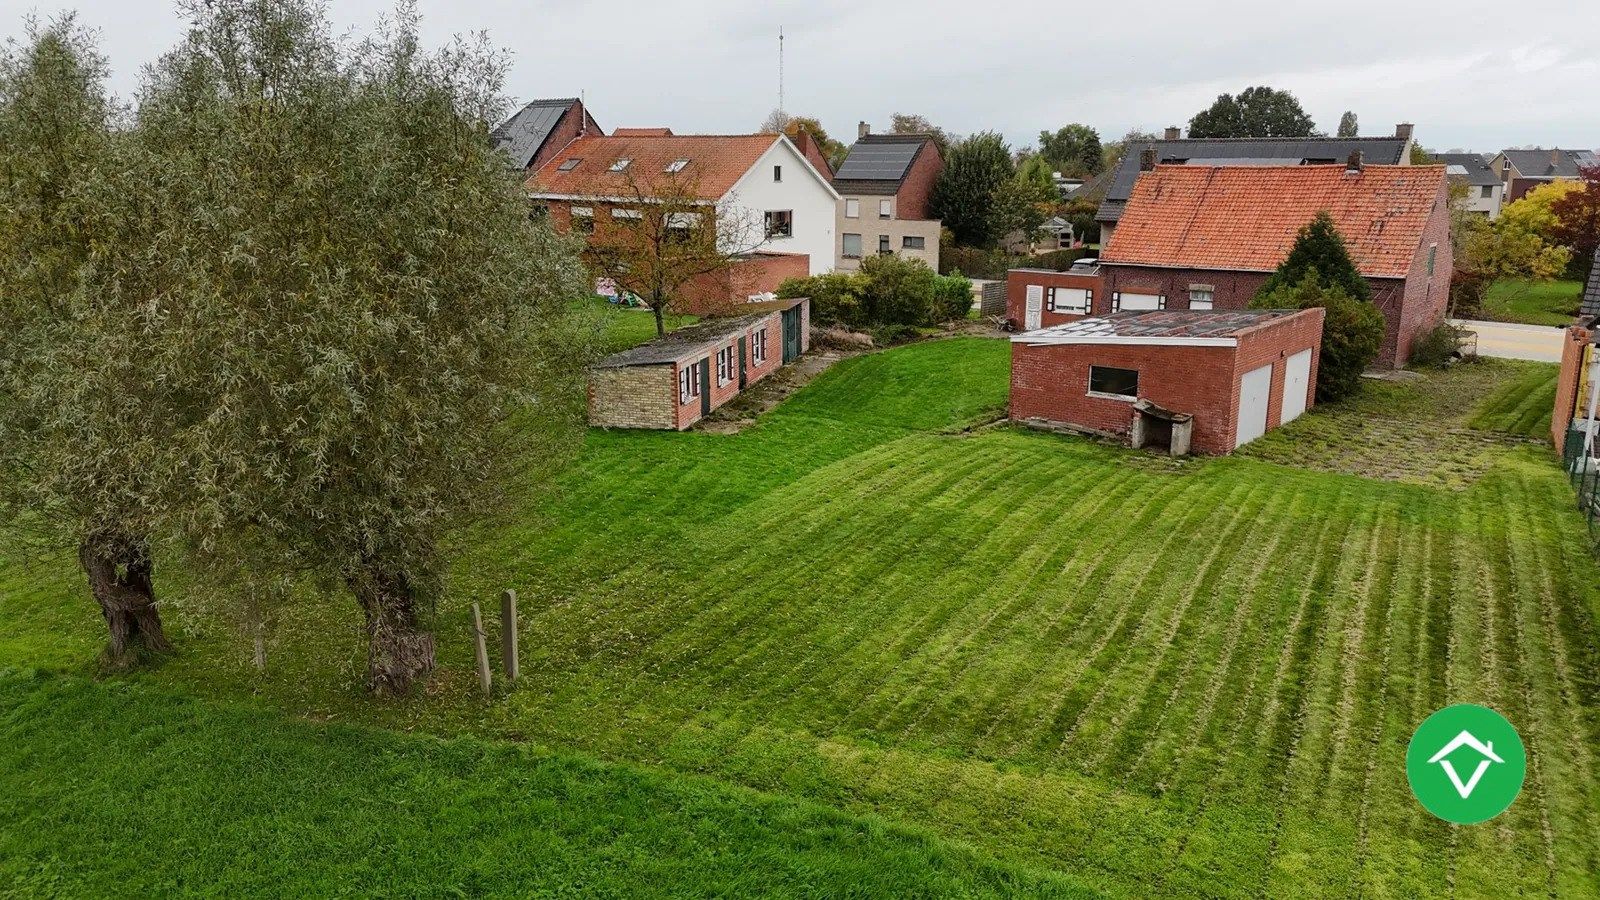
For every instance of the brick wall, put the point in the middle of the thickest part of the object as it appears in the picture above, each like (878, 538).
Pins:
(1018, 280)
(1425, 297)
(912, 200)
(686, 414)
(633, 397)
(1052, 382)
(566, 130)
(1569, 386)
(723, 292)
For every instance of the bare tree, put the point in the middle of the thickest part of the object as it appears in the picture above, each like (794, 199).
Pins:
(663, 239)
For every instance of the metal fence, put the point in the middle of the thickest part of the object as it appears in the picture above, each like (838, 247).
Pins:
(1583, 470)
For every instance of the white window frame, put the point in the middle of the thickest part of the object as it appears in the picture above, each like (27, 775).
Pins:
(1116, 301)
(758, 346)
(618, 213)
(688, 383)
(844, 245)
(1052, 303)
(852, 209)
(724, 366)
(886, 209)
(1210, 301)
(768, 219)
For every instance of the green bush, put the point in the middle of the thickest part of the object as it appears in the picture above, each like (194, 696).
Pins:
(835, 297)
(1437, 348)
(889, 290)
(952, 297)
(1351, 333)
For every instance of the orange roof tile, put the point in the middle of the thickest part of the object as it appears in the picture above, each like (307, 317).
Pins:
(715, 162)
(1246, 217)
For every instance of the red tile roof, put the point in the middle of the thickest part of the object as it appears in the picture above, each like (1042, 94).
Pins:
(1246, 217)
(715, 163)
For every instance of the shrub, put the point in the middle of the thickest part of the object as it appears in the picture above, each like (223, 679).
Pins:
(889, 290)
(836, 297)
(889, 335)
(1437, 348)
(1351, 333)
(952, 297)
(1467, 290)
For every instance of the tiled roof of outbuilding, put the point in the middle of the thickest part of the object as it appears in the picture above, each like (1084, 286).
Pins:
(1246, 219)
(1166, 323)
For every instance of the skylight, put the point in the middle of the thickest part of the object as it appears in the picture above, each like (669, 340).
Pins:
(620, 165)
(569, 165)
(677, 165)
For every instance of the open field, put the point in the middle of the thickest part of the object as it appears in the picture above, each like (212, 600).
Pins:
(1532, 302)
(1056, 658)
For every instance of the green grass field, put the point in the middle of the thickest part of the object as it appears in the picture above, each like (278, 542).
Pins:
(1050, 661)
(1532, 302)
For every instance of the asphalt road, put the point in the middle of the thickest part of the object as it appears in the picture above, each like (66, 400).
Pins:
(1541, 343)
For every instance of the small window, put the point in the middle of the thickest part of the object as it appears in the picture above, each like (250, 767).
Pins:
(852, 209)
(621, 165)
(780, 223)
(1114, 382)
(676, 165)
(1202, 297)
(688, 383)
(569, 165)
(852, 246)
(583, 219)
(777, 173)
(885, 209)
(883, 245)
(913, 243)
(724, 365)
(626, 214)
(1488, 192)
(1433, 254)
(1068, 300)
(758, 347)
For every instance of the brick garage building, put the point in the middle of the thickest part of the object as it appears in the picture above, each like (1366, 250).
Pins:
(675, 381)
(1238, 374)
(1208, 237)
(1040, 298)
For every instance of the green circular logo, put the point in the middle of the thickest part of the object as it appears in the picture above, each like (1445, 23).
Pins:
(1466, 764)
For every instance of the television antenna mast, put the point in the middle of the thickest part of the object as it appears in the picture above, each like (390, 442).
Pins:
(782, 116)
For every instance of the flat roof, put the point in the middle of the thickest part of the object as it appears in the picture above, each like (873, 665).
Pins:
(1169, 327)
(685, 341)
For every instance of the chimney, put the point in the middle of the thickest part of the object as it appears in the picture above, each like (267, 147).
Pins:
(1555, 159)
(1353, 165)
(1174, 133)
(1403, 131)
(862, 130)
(1147, 159)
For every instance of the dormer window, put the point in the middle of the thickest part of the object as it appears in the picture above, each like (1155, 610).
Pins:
(569, 165)
(676, 165)
(621, 165)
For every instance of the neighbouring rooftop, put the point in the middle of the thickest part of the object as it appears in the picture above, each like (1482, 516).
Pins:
(632, 159)
(523, 134)
(1470, 168)
(1591, 294)
(878, 163)
(1218, 327)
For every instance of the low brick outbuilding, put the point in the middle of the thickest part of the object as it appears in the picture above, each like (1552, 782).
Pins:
(1238, 374)
(1040, 298)
(675, 381)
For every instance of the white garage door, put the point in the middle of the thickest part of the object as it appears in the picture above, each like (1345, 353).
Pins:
(1035, 304)
(1296, 383)
(1254, 389)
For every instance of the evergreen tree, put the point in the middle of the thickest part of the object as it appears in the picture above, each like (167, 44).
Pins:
(1320, 249)
(971, 191)
(1352, 331)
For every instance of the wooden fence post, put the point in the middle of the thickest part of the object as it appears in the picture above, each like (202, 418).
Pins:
(508, 634)
(481, 645)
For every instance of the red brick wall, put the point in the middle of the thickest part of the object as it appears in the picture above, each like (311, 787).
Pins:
(1233, 290)
(1568, 403)
(1422, 305)
(1017, 281)
(911, 201)
(722, 292)
(1052, 382)
(563, 134)
(689, 413)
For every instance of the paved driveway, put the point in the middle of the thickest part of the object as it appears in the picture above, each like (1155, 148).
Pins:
(1541, 343)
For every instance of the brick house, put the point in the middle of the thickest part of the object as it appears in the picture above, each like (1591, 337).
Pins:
(885, 185)
(1208, 237)
(673, 382)
(1523, 170)
(1040, 298)
(1232, 376)
(760, 180)
(539, 130)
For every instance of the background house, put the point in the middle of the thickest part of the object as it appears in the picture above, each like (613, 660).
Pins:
(884, 185)
(1173, 150)
(1040, 298)
(1484, 191)
(760, 183)
(1235, 375)
(1208, 237)
(540, 129)
(1523, 170)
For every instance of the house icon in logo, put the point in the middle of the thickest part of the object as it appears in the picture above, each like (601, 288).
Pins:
(1466, 739)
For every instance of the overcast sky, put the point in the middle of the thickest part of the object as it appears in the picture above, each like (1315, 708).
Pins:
(1474, 74)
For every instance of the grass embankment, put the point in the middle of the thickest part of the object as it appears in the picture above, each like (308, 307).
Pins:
(1179, 679)
(1532, 302)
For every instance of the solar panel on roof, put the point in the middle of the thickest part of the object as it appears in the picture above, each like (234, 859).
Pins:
(878, 162)
(524, 133)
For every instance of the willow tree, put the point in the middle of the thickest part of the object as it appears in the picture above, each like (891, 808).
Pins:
(371, 333)
(81, 411)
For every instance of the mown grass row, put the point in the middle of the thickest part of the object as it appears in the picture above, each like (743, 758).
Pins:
(1522, 405)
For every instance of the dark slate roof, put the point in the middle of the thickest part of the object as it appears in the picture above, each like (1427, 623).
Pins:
(1243, 151)
(1166, 323)
(878, 163)
(1539, 164)
(1591, 294)
(1477, 168)
(523, 134)
(683, 342)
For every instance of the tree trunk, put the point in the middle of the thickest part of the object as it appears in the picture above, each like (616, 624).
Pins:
(399, 651)
(661, 324)
(119, 569)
